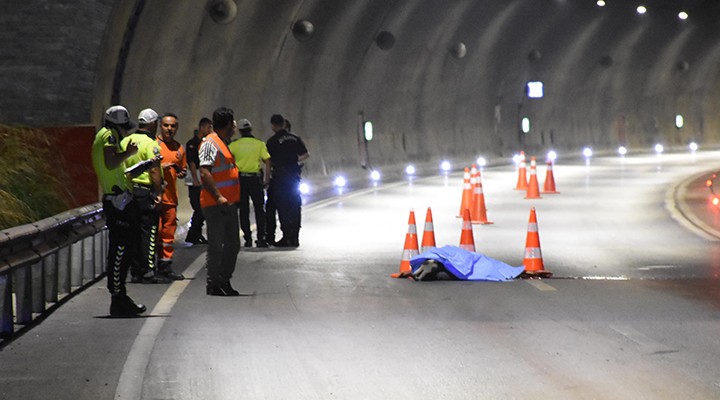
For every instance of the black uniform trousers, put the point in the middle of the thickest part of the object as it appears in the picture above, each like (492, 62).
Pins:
(148, 219)
(123, 243)
(251, 188)
(198, 219)
(285, 196)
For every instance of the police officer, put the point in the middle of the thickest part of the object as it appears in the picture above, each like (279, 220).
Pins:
(250, 153)
(286, 152)
(146, 190)
(118, 207)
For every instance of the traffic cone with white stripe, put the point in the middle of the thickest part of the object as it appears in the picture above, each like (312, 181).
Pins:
(410, 249)
(533, 188)
(533, 261)
(549, 186)
(466, 194)
(428, 239)
(522, 182)
(478, 213)
(467, 241)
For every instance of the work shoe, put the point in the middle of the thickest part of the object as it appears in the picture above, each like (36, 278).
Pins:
(260, 243)
(287, 243)
(196, 240)
(225, 291)
(136, 279)
(122, 306)
(248, 243)
(152, 278)
(165, 269)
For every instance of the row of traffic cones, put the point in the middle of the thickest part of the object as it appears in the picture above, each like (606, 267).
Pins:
(473, 197)
(532, 259)
(532, 187)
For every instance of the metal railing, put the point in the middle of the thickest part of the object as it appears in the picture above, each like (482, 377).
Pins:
(43, 262)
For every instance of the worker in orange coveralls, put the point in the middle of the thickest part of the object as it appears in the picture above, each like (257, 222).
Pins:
(174, 166)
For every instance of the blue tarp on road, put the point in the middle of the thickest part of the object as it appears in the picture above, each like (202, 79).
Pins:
(466, 265)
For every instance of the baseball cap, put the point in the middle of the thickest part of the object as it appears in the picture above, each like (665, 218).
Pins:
(119, 116)
(244, 124)
(147, 116)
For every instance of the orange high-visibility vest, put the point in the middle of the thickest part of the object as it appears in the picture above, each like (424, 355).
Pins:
(224, 172)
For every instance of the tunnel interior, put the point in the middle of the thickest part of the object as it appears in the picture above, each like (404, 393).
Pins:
(437, 79)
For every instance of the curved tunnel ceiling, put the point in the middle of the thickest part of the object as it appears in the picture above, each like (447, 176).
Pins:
(611, 76)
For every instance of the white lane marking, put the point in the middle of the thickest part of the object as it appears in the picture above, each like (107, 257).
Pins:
(647, 344)
(680, 211)
(130, 383)
(540, 285)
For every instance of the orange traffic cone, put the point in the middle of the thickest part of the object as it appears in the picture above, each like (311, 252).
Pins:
(467, 241)
(533, 261)
(428, 239)
(522, 183)
(549, 186)
(466, 194)
(410, 249)
(478, 213)
(533, 189)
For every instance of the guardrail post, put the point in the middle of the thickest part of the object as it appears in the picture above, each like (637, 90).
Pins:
(87, 262)
(63, 263)
(50, 269)
(23, 295)
(97, 254)
(38, 287)
(76, 263)
(7, 323)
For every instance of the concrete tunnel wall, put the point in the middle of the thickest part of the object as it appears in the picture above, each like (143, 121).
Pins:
(611, 76)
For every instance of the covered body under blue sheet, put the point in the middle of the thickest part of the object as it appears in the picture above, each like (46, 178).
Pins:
(466, 265)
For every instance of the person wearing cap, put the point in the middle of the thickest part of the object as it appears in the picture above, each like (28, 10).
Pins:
(174, 166)
(286, 150)
(219, 197)
(250, 156)
(146, 190)
(118, 206)
(194, 185)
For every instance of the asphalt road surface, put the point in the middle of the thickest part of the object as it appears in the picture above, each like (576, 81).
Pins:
(633, 310)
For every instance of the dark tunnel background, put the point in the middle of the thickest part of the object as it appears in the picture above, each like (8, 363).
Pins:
(438, 79)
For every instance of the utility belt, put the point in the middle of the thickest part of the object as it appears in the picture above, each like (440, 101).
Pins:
(250, 174)
(139, 190)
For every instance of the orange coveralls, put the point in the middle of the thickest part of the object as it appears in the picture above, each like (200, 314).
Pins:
(172, 152)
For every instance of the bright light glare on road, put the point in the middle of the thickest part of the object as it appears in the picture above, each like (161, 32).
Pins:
(659, 148)
(481, 161)
(445, 166)
(410, 170)
(375, 175)
(622, 150)
(339, 181)
(552, 155)
(517, 158)
(587, 152)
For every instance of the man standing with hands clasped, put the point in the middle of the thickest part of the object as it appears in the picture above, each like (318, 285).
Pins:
(219, 197)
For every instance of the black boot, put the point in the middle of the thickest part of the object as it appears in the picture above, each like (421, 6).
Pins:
(123, 306)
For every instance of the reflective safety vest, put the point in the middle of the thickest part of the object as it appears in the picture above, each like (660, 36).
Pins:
(224, 172)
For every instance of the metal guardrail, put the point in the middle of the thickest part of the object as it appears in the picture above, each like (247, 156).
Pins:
(43, 262)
